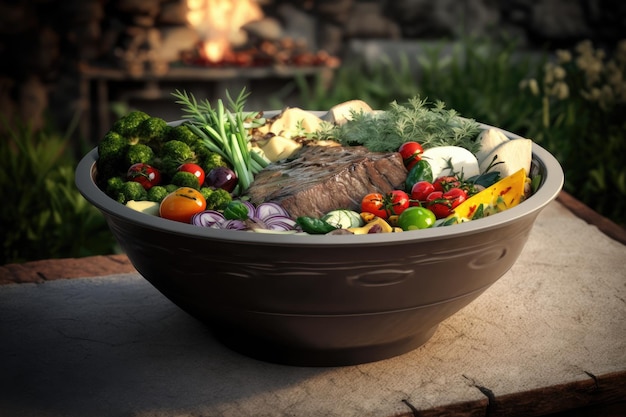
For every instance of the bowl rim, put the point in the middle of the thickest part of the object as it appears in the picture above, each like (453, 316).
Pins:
(551, 185)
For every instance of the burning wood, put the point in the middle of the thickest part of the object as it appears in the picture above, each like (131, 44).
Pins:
(225, 41)
(219, 22)
(284, 52)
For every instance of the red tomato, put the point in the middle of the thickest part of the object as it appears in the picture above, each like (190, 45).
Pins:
(456, 196)
(420, 192)
(442, 203)
(397, 202)
(195, 170)
(144, 174)
(437, 204)
(374, 203)
(411, 153)
(182, 204)
(383, 206)
(445, 183)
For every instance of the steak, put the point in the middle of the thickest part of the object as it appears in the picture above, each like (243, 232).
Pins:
(318, 179)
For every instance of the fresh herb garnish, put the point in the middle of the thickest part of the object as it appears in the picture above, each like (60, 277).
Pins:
(416, 120)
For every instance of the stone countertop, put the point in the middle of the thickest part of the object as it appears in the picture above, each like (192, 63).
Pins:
(549, 336)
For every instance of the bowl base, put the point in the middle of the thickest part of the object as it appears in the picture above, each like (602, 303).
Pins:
(269, 351)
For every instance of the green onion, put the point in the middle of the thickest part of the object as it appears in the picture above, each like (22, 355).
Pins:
(226, 132)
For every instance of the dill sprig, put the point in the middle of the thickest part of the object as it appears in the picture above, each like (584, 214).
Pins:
(415, 121)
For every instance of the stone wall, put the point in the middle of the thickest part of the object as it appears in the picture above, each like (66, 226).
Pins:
(42, 42)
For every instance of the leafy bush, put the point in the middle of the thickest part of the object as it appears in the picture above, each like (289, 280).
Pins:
(582, 97)
(571, 105)
(43, 215)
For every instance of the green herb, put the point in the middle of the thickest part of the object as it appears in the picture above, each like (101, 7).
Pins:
(479, 213)
(225, 131)
(386, 131)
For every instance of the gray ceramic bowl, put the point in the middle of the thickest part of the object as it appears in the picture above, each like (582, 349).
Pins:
(323, 300)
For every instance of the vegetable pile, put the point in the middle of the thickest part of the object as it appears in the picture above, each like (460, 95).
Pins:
(198, 172)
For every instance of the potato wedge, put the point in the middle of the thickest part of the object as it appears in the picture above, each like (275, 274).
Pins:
(342, 112)
(514, 154)
(294, 121)
(489, 140)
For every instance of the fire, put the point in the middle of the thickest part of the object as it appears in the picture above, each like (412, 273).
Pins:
(218, 22)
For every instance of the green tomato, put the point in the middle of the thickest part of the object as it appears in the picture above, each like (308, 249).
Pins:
(415, 218)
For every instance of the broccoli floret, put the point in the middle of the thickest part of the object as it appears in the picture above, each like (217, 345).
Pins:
(131, 190)
(128, 124)
(152, 130)
(139, 153)
(177, 150)
(210, 160)
(218, 199)
(113, 146)
(185, 179)
(114, 186)
(185, 135)
(206, 158)
(206, 192)
(111, 152)
(174, 153)
(171, 188)
(157, 193)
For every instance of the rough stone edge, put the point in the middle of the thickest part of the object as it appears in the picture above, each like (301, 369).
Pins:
(68, 268)
(605, 225)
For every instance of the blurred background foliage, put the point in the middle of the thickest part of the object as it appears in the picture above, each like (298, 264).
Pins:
(43, 214)
(572, 102)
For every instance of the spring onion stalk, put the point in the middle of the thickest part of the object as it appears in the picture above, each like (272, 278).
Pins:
(226, 132)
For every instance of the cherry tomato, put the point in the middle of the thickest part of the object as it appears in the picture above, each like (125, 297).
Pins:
(456, 196)
(436, 203)
(415, 218)
(420, 192)
(446, 182)
(442, 203)
(195, 169)
(182, 204)
(374, 203)
(144, 174)
(411, 153)
(397, 202)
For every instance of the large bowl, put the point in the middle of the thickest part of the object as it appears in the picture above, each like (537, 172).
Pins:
(323, 300)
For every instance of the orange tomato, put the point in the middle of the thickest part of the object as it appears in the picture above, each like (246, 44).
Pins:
(182, 204)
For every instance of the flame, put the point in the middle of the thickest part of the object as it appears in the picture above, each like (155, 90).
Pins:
(219, 21)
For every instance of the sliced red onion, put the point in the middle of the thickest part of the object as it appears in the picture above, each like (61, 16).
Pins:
(207, 218)
(251, 209)
(279, 222)
(268, 209)
(233, 225)
(266, 216)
